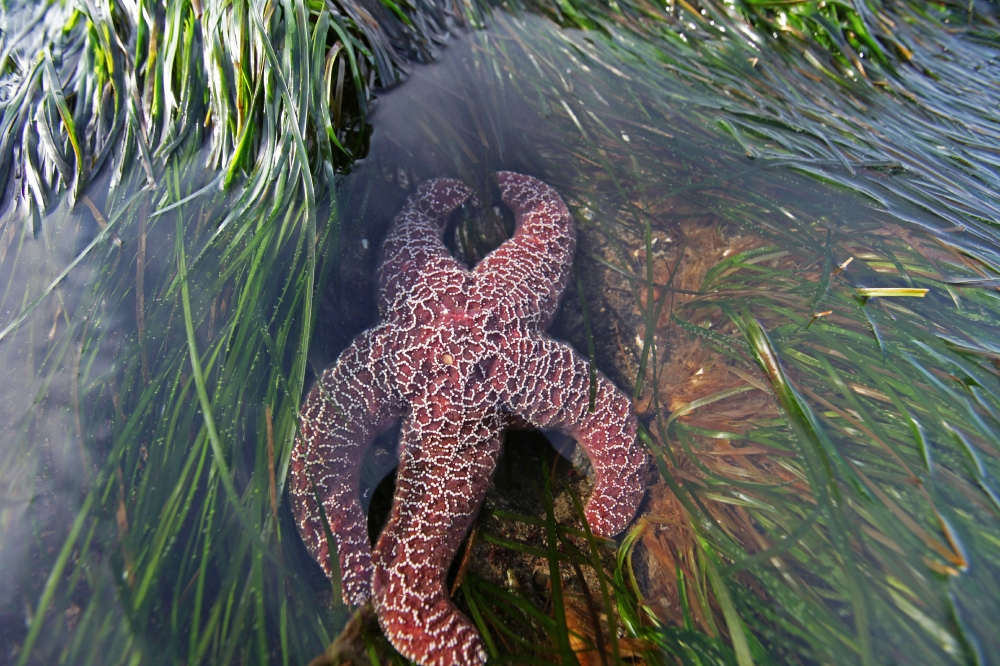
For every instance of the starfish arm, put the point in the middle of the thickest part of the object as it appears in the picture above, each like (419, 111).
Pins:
(529, 272)
(350, 405)
(548, 384)
(413, 246)
(444, 472)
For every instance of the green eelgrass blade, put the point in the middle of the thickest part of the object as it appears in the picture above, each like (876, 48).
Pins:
(218, 455)
(737, 630)
(598, 567)
(470, 598)
(827, 269)
(817, 463)
(331, 549)
(558, 609)
(53, 579)
(37, 300)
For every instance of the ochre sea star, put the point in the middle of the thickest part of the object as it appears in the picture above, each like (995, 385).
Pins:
(460, 355)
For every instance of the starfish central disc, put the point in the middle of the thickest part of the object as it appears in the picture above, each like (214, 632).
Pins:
(459, 356)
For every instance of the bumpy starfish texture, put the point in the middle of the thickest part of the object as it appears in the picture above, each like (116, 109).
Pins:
(460, 356)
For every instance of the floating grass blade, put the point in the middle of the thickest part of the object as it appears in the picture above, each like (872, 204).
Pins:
(598, 566)
(52, 580)
(894, 292)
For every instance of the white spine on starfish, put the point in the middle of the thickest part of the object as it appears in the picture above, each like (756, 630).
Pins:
(413, 249)
(446, 465)
(527, 274)
(548, 384)
(351, 404)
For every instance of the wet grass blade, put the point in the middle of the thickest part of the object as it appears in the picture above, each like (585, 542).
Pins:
(821, 478)
(598, 566)
(53, 579)
(887, 292)
(558, 609)
(737, 630)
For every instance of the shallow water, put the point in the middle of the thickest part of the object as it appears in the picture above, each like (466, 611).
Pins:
(877, 499)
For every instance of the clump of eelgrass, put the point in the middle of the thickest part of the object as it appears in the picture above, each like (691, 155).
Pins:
(100, 83)
(901, 117)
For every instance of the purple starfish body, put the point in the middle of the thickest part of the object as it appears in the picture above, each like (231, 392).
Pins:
(460, 355)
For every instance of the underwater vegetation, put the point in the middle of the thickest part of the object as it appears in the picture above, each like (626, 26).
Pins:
(787, 215)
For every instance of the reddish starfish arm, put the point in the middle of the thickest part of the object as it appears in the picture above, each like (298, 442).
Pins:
(413, 246)
(351, 404)
(529, 271)
(447, 461)
(548, 384)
